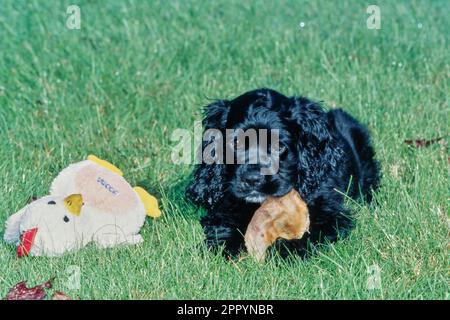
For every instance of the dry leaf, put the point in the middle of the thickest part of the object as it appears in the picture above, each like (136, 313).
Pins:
(420, 143)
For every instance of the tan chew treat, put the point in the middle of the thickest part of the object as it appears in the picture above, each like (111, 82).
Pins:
(285, 217)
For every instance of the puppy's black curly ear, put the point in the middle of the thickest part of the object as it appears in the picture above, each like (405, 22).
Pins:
(317, 150)
(206, 186)
(310, 118)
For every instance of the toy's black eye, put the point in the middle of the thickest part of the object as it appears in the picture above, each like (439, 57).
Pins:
(51, 203)
(66, 219)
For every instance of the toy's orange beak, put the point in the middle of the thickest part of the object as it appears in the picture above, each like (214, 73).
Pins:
(26, 241)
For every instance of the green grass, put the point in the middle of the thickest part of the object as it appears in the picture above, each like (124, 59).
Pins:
(137, 70)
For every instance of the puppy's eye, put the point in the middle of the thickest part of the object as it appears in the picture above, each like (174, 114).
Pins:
(66, 219)
(51, 203)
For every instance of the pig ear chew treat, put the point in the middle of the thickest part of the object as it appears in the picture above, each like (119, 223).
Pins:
(285, 217)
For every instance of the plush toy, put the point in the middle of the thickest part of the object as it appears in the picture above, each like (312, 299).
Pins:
(89, 201)
(284, 217)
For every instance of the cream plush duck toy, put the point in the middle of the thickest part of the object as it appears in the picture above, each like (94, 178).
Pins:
(89, 201)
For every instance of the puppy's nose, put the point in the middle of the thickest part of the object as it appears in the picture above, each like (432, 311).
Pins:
(252, 178)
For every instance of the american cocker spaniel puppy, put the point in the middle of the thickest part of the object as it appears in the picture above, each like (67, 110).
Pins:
(323, 155)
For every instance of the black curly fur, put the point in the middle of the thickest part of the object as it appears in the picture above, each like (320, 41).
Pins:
(328, 154)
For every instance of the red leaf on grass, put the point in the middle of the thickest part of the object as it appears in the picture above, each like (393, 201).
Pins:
(419, 143)
(21, 292)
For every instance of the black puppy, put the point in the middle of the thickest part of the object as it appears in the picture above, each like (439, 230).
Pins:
(322, 155)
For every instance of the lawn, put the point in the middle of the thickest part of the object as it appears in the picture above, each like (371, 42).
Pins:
(137, 70)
